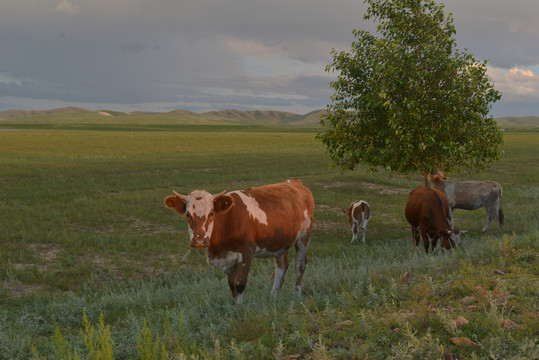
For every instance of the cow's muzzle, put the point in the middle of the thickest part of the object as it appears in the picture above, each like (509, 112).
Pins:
(200, 242)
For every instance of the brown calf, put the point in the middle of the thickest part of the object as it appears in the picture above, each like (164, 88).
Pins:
(359, 214)
(263, 221)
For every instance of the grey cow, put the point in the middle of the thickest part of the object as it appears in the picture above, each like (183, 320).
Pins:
(471, 195)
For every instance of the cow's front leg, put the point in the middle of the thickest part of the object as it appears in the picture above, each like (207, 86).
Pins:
(231, 280)
(433, 243)
(237, 280)
(425, 236)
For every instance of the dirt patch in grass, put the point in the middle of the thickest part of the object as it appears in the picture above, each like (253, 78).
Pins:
(46, 253)
(381, 189)
(326, 226)
(334, 184)
(137, 225)
(18, 290)
(332, 209)
(384, 189)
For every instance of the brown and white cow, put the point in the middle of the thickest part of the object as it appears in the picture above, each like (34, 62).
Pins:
(263, 221)
(471, 195)
(427, 212)
(359, 214)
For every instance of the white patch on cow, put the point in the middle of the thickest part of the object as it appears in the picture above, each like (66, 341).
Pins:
(456, 238)
(199, 203)
(239, 299)
(228, 263)
(209, 229)
(253, 208)
(305, 224)
(262, 252)
(301, 252)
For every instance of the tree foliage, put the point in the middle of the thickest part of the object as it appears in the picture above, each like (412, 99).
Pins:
(408, 100)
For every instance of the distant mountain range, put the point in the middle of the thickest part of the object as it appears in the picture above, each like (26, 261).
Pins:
(251, 117)
(265, 117)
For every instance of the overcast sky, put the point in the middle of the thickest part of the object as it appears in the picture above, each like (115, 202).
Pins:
(200, 55)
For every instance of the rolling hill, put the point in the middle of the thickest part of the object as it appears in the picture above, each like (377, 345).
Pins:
(73, 115)
(80, 116)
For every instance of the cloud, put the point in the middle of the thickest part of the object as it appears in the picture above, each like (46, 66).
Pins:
(66, 7)
(517, 85)
(203, 54)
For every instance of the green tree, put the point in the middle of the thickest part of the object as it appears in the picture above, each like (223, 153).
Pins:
(408, 100)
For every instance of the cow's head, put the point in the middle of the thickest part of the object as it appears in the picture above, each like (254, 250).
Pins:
(438, 177)
(450, 238)
(200, 208)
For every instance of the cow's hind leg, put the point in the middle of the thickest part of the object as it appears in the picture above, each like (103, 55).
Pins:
(281, 265)
(365, 222)
(415, 236)
(301, 259)
(492, 213)
(355, 226)
(426, 241)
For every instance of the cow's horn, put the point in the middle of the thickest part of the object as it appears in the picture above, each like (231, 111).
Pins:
(179, 195)
(220, 194)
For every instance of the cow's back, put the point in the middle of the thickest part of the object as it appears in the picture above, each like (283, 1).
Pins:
(268, 215)
(468, 195)
(426, 204)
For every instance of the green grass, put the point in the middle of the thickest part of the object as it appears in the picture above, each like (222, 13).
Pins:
(83, 230)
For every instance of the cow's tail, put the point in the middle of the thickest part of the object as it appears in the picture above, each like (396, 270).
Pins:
(500, 215)
(500, 212)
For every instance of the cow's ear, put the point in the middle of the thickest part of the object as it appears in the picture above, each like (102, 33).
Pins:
(345, 211)
(223, 203)
(175, 203)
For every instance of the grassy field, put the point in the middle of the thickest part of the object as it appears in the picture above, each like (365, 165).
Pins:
(92, 263)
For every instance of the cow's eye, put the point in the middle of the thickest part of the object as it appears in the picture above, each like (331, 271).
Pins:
(211, 213)
(187, 215)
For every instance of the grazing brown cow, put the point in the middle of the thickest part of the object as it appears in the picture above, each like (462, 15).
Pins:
(427, 212)
(471, 195)
(263, 221)
(359, 214)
